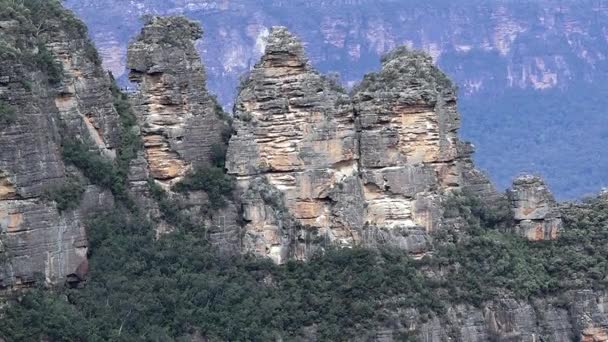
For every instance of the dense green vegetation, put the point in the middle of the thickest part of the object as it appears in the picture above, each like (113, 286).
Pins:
(7, 114)
(68, 195)
(130, 141)
(36, 22)
(216, 184)
(143, 289)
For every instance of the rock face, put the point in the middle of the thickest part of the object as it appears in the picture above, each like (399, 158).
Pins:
(295, 133)
(180, 122)
(36, 238)
(583, 319)
(364, 170)
(410, 151)
(535, 211)
(182, 126)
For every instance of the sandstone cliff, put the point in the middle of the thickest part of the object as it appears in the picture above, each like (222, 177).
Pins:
(314, 166)
(183, 128)
(584, 319)
(295, 133)
(54, 84)
(368, 169)
(180, 122)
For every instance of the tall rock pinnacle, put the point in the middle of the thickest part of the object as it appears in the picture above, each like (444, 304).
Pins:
(295, 132)
(409, 141)
(179, 119)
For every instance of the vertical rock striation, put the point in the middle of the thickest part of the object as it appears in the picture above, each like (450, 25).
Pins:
(75, 102)
(368, 169)
(536, 213)
(182, 126)
(179, 120)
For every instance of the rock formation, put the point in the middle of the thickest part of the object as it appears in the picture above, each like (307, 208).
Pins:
(179, 120)
(536, 213)
(182, 126)
(371, 169)
(295, 133)
(410, 151)
(36, 237)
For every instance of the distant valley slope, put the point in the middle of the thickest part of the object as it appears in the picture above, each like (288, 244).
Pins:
(533, 76)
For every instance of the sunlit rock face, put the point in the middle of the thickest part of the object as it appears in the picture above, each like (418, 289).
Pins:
(409, 144)
(179, 120)
(535, 211)
(369, 169)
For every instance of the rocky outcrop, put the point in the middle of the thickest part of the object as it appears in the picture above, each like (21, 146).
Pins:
(536, 213)
(371, 169)
(295, 135)
(75, 103)
(182, 127)
(180, 121)
(410, 151)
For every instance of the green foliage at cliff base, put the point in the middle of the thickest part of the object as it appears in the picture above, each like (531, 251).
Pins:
(143, 289)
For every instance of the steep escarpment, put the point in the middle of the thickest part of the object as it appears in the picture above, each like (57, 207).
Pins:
(371, 168)
(53, 92)
(316, 170)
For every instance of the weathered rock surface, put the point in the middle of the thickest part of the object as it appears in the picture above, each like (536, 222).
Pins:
(182, 127)
(504, 320)
(36, 237)
(295, 131)
(535, 211)
(179, 120)
(410, 152)
(381, 160)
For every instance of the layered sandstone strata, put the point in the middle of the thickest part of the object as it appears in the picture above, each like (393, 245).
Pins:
(368, 169)
(180, 121)
(295, 133)
(536, 213)
(182, 127)
(36, 238)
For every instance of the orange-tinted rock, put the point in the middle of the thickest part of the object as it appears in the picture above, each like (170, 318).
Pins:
(535, 211)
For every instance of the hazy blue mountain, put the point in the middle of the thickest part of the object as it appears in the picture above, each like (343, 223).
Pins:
(533, 75)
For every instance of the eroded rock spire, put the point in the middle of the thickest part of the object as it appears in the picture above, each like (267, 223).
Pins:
(179, 119)
(295, 133)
